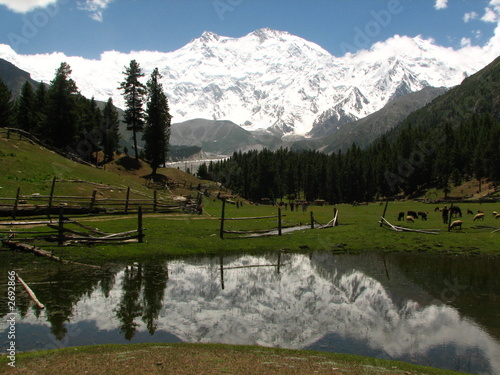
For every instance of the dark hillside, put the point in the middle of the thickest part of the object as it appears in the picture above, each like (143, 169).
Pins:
(15, 78)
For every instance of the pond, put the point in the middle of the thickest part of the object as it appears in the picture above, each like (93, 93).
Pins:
(435, 310)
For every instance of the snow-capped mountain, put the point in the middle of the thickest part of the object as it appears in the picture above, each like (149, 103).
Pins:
(271, 79)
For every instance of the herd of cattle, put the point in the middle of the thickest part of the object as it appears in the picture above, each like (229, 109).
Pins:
(446, 213)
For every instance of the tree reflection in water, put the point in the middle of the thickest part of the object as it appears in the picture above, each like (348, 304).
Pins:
(383, 305)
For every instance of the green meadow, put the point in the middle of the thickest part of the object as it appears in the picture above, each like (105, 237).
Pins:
(31, 168)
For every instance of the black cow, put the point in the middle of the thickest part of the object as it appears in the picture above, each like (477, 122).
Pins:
(455, 211)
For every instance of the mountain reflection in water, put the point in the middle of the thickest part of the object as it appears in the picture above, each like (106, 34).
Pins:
(433, 310)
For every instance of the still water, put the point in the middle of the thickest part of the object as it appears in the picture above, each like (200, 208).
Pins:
(435, 310)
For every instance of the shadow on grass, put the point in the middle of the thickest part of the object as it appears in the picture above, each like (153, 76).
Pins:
(129, 163)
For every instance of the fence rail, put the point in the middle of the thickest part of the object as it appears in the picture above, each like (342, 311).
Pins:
(36, 204)
(278, 231)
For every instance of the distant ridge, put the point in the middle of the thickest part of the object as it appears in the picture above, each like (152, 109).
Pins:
(14, 77)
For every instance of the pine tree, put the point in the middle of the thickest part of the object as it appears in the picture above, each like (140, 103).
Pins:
(62, 112)
(157, 130)
(41, 107)
(26, 108)
(110, 124)
(89, 129)
(6, 109)
(134, 92)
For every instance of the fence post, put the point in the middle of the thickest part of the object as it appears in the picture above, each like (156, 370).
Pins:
(92, 201)
(222, 218)
(155, 202)
(14, 209)
(128, 197)
(279, 221)
(139, 224)
(51, 198)
(312, 220)
(385, 210)
(60, 237)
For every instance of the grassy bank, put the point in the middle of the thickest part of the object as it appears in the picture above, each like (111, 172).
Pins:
(183, 359)
(179, 235)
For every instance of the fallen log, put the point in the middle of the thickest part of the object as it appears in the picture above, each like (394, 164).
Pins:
(331, 223)
(33, 249)
(404, 229)
(90, 240)
(30, 292)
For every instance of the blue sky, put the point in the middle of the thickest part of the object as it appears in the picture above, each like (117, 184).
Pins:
(89, 27)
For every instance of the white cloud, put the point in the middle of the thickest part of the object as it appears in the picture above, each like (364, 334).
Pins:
(470, 16)
(489, 15)
(24, 6)
(492, 12)
(441, 4)
(465, 42)
(95, 7)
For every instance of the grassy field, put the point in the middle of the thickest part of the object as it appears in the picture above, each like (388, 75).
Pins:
(179, 234)
(169, 235)
(199, 359)
(31, 168)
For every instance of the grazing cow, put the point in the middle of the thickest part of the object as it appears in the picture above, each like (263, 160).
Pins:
(456, 224)
(437, 209)
(413, 214)
(423, 215)
(409, 219)
(495, 213)
(401, 216)
(478, 217)
(469, 212)
(455, 210)
(497, 216)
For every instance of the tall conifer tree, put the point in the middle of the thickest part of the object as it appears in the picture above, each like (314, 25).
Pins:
(26, 117)
(134, 92)
(41, 107)
(5, 105)
(62, 112)
(157, 131)
(110, 125)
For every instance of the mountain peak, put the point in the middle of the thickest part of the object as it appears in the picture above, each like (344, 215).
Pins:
(209, 36)
(267, 33)
(271, 78)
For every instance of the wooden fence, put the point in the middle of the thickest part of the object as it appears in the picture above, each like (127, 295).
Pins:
(66, 231)
(37, 204)
(273, 231)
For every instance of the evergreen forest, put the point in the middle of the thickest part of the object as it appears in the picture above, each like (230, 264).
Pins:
(453, 139)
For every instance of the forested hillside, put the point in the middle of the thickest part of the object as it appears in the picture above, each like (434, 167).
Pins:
(454, 138)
